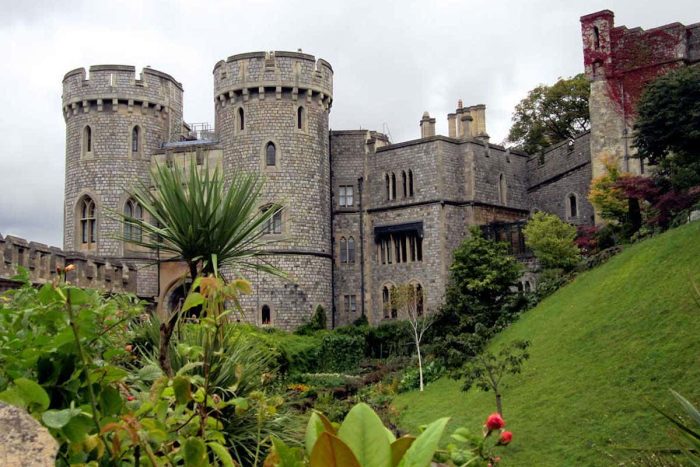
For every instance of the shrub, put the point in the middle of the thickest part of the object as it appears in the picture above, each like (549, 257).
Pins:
(341, 352)
(390, 339)
(318, 322)
(410, 379)
(552, 241)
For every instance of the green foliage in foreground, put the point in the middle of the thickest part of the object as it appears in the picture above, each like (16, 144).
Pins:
(600, 346)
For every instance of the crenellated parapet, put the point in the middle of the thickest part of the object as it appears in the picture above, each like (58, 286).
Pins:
(111, 87)
(42, 262)
(272, 75)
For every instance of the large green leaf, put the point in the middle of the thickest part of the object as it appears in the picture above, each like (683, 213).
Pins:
(110, 401)
(59, 418)
(33, 394)
(331, 451)
(421, 452)
(78, 428)
(182, 389)
(363, 431)
(194, 452)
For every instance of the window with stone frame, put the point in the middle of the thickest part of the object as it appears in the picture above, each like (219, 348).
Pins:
(274, 223)
(572, 205)
(133, 210)
(346, 196)
(349, 302)
(393, 185)
(87, 142)
(343, 250)
(351, 250)
(265, 315)
(388, 186)
(502, 189)
(301, 118)
(386, 302)
(410, 183)
(241, 119)
(270, 154)
(394, 309)
(88, 223)
(404, 183)
(135, 140)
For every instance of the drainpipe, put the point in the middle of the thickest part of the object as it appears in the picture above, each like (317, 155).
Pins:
(362, 246)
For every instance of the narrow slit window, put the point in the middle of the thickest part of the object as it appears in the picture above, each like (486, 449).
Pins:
(266, 316)
(301, 114)
(241, 119)
(404, 183)
(270, 154)
(343, 250)
(135, 140)
(393, 185)
(573, 207)
(351, 250)
(410, 183)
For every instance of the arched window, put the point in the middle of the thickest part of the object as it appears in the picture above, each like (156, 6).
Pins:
(241, 119)
(404, 183)
(135, 134)
(343, 250)
(270, 154)
(273, 225)
(88, 222)
(419, 299)
(301, 117)
(132, 210)
(410, 183)
(393, 185)
(351, 250)
(596, 37)
(265, 317)
(388, 187)
(573, 206)
(502, 189)
(87, 140)
(394, 310)
(386, 301)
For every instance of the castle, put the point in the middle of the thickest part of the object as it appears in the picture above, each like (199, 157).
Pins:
(360, 214)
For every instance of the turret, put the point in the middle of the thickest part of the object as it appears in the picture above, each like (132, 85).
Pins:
(114, 122)
(272, 119)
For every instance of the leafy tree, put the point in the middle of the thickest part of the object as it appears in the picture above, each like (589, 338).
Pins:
(409, 302)
(487, 370)
(478, 300)
(195, 217)
(318, 322)
(667, 128)
(609, 199)
(550, 114)
(552, 240)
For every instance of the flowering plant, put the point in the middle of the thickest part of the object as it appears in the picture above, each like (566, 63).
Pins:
(471, 449)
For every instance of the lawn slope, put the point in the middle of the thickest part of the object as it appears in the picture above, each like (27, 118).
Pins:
(616, 336)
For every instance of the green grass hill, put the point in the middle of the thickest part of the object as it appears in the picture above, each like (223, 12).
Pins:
(617, 336)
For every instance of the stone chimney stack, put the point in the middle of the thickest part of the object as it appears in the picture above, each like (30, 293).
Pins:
(478, 114)
(427, 125)
(466, 126)
(452, 125)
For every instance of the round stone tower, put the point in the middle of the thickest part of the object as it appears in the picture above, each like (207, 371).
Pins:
(272, 119)
(114, 122)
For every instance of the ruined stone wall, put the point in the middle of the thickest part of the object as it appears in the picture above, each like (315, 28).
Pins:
(283, 99)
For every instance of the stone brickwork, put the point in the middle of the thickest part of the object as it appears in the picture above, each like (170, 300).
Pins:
(283, 99)
(42, 262)
(620, 62)
(559, 173)
(103, 161)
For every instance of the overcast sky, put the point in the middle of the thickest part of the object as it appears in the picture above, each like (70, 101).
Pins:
(392, 61)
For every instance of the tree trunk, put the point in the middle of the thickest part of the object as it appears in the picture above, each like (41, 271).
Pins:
(420, 366)
(166, 332)
(499, 405)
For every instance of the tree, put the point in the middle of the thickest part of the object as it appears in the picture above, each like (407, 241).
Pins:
(193, 216)
(550, 114)
(408, 300)
(667, 127)
(552, 240)
(487, 370)
(478, 301)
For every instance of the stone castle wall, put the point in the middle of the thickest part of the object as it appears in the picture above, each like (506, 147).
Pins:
(42, 262)
(558, 173)
(620, 62)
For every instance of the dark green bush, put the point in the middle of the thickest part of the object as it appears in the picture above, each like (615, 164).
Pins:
(390, 339)
(318, 322)
(341, 352)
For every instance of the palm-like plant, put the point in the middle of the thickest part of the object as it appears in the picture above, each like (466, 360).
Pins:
(194, 216)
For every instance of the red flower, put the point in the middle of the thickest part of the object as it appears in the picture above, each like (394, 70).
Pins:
(130, 398)
(506, 437)
(495, 422)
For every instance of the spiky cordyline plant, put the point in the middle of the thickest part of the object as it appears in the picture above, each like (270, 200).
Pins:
(194, 216)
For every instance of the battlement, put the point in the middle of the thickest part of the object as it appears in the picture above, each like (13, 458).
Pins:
(277, 73)
(42, 262)
(107, 86)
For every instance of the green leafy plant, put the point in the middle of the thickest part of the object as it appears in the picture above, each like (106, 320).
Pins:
(361, 440)
(195, 215)
(467, 448)
(552, 241)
